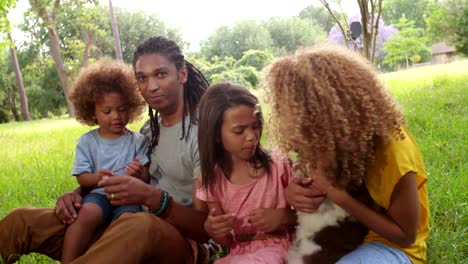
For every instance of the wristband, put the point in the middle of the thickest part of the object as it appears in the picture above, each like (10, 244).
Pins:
(163, 205)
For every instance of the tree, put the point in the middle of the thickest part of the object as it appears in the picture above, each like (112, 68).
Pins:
(47, 11)
(289, 33)
(255, 58)
(370, 11)
(233, 41)
(414, 10)
(115, 33)
(5, 5)
(405, 45)
(461, 37)
(385, 32)
(447, 22)
(318, 15)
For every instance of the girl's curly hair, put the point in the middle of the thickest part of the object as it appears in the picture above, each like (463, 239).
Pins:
(329, 106)
(102, 77)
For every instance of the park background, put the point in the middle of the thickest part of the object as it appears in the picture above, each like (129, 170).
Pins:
(420, 52)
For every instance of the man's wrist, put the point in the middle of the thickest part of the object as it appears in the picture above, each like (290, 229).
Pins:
(153, 198)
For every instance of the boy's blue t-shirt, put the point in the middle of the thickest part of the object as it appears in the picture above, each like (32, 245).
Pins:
(94, 153)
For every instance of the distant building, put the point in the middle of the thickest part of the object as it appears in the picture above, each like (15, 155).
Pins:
(442, 53)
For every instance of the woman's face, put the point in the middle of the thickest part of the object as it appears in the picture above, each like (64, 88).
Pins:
(160, 83)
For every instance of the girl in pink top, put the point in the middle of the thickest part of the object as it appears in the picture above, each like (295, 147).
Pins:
(242, 186)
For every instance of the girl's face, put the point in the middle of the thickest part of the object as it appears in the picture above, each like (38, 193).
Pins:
(160, 83)
(111, 114)
(240, 132)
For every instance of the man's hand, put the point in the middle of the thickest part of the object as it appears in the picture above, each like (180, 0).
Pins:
(125, 190)
(303, 195)
(67, 206)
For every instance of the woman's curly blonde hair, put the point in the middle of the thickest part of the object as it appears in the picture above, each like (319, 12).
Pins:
(329, 106)
(102, 77)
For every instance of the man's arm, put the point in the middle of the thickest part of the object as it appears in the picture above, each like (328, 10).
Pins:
(188, 221)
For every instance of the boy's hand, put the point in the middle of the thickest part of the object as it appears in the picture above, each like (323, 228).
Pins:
(103, 173)
(135, 168)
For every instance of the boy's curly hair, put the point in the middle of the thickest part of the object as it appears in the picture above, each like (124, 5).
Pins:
(329, 102)
(102, 77)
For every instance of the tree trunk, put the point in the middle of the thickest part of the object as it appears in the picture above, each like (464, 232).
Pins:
(87, 51)
(407, 61)
(115, 32)
(14, 111)
(48, 19)
(19, 82)
(59, 66)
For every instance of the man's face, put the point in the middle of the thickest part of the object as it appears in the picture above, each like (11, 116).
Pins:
(160, 83)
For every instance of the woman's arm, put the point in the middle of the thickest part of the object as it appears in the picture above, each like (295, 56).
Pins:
(400, 224)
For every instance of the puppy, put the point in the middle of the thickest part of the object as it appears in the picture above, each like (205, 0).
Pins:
(330, 232)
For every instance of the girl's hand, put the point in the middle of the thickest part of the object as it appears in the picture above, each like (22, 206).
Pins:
(134, 168)
(219, 226)
(303, 195)
(267, 219)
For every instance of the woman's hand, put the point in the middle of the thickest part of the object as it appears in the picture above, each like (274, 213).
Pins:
(125, 190)
(67, 206)
(303, 195)
(267, 219)
(219, 226)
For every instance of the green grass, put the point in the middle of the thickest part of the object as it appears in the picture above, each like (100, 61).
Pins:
(37, 156)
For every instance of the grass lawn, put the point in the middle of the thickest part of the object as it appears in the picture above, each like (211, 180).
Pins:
(37, 156)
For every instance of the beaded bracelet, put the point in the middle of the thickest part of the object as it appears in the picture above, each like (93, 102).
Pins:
(170, 202)
(165, 201)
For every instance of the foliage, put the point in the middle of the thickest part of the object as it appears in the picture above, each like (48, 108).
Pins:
(135, 27)
(291, 33)
(233, 41)
(255, 58)
(414, 10)
(402, 47)
(8, 93)
(440, 25)
(318, 15)
(280, 35)
(448, 22)
(461, 37)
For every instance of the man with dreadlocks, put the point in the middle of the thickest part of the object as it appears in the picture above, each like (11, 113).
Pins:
(172, 87)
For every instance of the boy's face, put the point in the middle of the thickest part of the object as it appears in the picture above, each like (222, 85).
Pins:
(160, 83)
(111, 114)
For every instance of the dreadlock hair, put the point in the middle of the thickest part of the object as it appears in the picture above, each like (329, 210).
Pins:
(194, 87)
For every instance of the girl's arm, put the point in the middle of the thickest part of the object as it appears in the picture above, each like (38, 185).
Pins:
(400, 224)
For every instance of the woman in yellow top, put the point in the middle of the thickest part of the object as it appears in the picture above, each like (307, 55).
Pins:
(329, 106)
